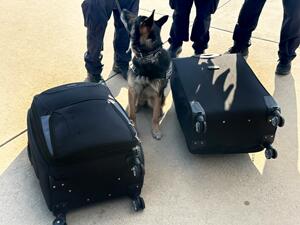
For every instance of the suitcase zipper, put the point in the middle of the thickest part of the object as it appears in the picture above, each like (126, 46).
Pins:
(122, 113)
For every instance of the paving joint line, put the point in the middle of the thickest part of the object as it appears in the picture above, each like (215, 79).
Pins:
(13, 138)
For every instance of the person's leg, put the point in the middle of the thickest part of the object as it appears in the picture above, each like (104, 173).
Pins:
(289, 37)
(121, 38)
(180, 27)
(96, 14)
(200, 31)
(247, 23)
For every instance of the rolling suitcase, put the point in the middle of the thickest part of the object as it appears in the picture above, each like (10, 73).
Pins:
(222, 107)
(83, 148)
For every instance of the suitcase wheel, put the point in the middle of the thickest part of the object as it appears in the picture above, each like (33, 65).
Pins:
(281, 122)
(138, 204)
(271, 153)
(60, 220)
(277, 120)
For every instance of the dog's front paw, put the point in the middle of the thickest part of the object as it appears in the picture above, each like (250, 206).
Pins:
(133, 123)
(137, 108)
(157, 135)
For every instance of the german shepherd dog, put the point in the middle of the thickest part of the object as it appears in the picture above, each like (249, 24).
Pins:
(147, 78)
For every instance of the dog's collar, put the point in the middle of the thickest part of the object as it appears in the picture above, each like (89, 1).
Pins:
(139, 54)
(138, 72)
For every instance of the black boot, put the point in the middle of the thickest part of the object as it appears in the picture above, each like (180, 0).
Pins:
(198, 52)
(94, 78)
(121, 68)
(236, 49)
(174, 50)
(283, 68)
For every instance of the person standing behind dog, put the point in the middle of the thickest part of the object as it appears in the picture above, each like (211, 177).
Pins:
(96, 15)
(180, 27)
(290, 31)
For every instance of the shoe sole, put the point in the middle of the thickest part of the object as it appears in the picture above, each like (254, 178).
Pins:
(282, 74)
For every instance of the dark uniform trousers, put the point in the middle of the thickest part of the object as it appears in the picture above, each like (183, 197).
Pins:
(96, 15)
(290, 30)
(181, 16)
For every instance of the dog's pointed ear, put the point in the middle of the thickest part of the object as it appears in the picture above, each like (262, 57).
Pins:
(162, 21)
(149, 21)
(128, 19)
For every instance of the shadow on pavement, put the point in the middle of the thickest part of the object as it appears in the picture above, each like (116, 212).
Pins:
(286, 141)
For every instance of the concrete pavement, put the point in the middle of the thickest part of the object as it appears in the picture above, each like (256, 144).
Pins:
(42, 45)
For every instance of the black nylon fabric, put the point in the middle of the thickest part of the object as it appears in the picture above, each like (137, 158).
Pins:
(61, 96)
(83, 121)
(97, 155)
(233, 101)
(67, 186)
(88, 127)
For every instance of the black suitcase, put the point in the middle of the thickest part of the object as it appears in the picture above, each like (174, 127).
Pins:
(222, 107)
(83, 148)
